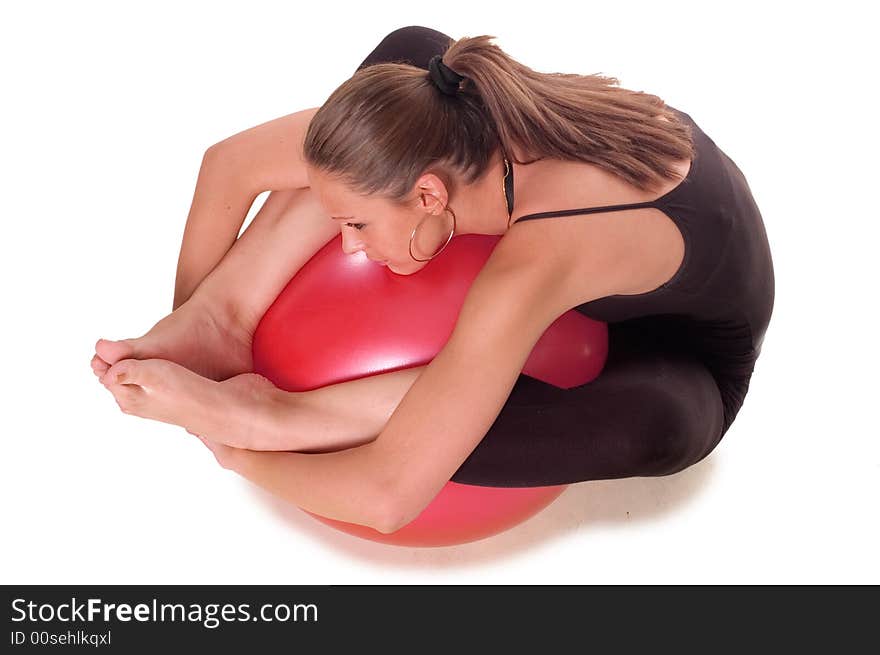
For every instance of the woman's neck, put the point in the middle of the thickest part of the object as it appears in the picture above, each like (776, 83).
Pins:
(481, 207)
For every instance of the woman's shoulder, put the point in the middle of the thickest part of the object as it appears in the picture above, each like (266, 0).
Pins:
(595, 254)
(558, 258)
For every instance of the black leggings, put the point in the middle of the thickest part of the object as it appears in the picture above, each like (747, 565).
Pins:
(654, 410)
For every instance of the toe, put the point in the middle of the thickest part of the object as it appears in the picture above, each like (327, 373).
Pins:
(113, 351)
(99, 366)
(144, 373)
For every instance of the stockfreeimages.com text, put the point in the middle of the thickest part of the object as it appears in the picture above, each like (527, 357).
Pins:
(210, 615)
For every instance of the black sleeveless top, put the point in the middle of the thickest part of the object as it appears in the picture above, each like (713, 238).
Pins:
(718, 304)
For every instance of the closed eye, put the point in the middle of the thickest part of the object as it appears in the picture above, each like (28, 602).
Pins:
(357, 226)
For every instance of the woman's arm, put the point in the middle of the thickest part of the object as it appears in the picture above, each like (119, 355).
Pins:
(219, 206)
(341, 485)
(233, 173)
(333, 417)
(438, 422)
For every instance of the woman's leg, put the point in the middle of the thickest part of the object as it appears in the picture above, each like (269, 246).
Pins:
(289, 229)
(413, 45)
(652, 411)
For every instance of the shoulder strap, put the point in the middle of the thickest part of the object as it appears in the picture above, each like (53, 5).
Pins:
(587, 210)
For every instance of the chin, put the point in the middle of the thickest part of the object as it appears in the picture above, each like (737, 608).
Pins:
(409, 269)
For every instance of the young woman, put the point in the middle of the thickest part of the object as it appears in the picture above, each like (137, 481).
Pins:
(608, 201)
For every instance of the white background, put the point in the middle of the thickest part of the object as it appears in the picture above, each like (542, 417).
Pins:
(108, 109)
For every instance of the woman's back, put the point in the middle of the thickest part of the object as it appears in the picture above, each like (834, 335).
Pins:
(718, 304)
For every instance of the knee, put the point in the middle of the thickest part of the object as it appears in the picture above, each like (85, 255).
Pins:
(413, 44)
(408, 32)
(403, 37)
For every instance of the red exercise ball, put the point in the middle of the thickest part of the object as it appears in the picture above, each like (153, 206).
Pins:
(343, 317)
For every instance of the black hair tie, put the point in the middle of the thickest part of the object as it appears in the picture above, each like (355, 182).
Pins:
(446, 79)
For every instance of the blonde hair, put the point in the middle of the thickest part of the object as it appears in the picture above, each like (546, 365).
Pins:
(388, 124)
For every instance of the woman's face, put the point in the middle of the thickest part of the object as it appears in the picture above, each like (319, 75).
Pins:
(382, 229)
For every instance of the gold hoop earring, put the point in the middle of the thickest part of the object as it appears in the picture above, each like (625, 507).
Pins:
(415, 229)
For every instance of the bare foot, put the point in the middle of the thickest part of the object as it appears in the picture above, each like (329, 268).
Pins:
(194, 335)
(237, 412)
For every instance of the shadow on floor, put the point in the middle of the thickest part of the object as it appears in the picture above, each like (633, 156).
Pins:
(580, 508)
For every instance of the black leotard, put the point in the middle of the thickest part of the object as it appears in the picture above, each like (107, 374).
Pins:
(680, 356)
(718, 303)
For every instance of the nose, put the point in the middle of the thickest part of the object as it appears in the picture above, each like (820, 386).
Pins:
(350, 242)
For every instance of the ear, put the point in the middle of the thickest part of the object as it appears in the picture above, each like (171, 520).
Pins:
(433, 193)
